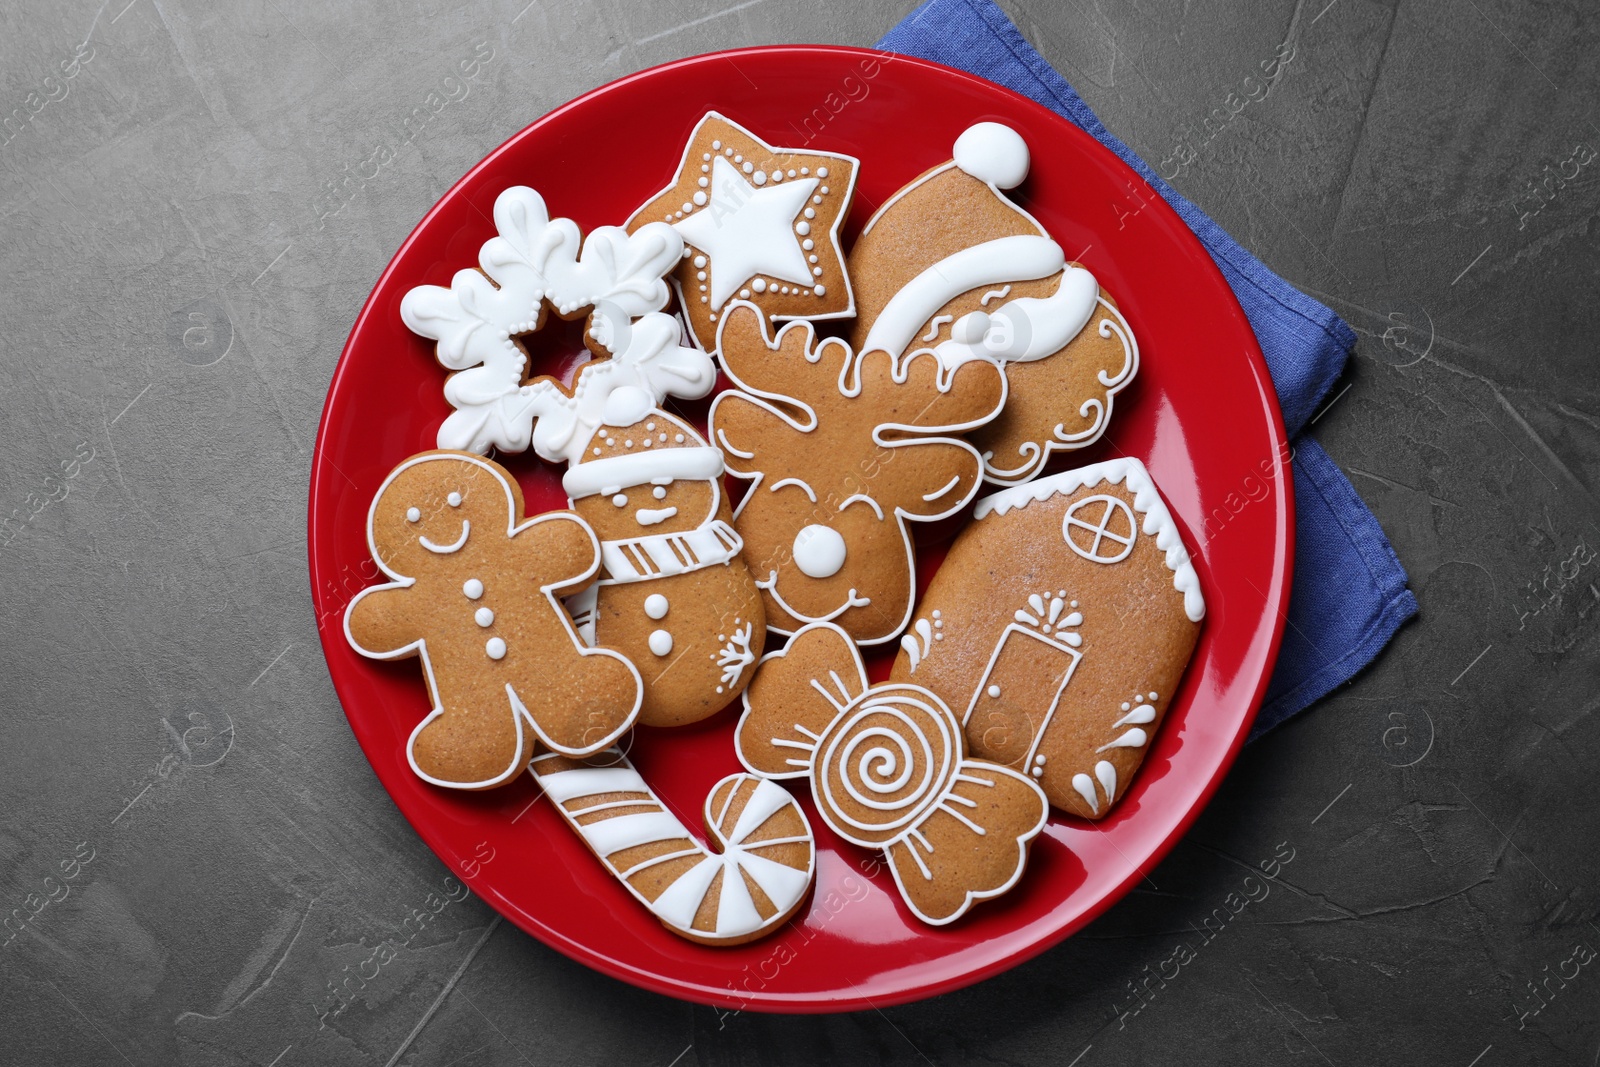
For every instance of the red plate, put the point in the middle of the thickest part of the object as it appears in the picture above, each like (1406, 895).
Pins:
(1201, 415)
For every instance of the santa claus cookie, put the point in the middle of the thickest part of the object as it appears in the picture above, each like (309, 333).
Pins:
(474, 595)
(533, 265)
(674, 595)
(843, 451)
(950, 263)
(1058, 628)
(758, 223)
(888, 770)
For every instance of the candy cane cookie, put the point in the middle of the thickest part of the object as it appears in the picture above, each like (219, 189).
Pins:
(752, 879)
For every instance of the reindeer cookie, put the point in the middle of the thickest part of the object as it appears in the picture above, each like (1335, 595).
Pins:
(843, 451)
(534, 264)
(474, 595)
(674, 595)
(888, 770)
(951, 263)
(759, 223)
(1059, 626)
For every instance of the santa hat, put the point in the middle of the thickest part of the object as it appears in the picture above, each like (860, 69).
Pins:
(638, 444)
(952, 263)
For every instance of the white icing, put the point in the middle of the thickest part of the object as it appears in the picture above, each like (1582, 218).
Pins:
(655, 606)
(652, 516)
(736, 654)
(647, 821)
(993, 153)
(1085, 789)
(994, 692)
(454, 546)
(413, 515)
(638, 559)
(1027, 328)
(1021, 257)
(745, 231)
(495, 648)
(472, 588)
(1113, 513)
(483, 617)
(1108, 779)
(641, 468)
(660, 642)
(534, 259)
(1142, 715)
(819, 551)
(454, 500)
(1135, 738)
(1147, 501)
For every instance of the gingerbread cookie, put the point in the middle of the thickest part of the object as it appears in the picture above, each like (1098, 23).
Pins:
(843, 451)
(951, 263)
(759, 223)
(755, 880)
(674, 595)
(474, 595)
(1059, 626)
(535, 264)
(888, 770)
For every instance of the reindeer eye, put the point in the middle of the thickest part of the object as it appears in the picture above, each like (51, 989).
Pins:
(620, 500)
(659, 492)
(413, 515)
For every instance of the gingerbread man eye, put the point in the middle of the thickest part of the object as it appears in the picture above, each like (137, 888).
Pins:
(659, 492)
(413, 515)
(454, 500)
(620, 500)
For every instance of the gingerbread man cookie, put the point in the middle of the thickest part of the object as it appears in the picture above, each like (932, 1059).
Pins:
(843, 451)
(953, 264)
(474, 595)
(674, 595)
(888, 770)
(758, 223)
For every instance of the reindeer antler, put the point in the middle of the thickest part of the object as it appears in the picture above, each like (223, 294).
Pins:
(533, 261)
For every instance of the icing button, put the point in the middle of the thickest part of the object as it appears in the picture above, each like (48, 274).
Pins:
(483, 617)
(655, 606)
(660, 642)
(472, 588)
(496, 648)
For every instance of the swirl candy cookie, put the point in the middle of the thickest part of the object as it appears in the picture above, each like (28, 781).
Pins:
(759, 223)
(474, 595)
(746, 889)
(1059, 626)
(888, 770)
(534, 264)
(674, 596)
(951, 263)
(843, 451)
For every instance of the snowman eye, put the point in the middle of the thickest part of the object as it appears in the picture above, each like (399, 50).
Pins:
(659, 492)
(454, 500)
(413, 515)
(620, 500)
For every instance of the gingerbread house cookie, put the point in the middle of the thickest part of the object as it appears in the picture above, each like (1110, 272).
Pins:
(1059, 626)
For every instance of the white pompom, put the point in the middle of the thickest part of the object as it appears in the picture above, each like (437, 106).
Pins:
(993, 153)
(627, 405)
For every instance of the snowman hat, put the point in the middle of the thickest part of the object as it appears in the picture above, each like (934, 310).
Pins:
(659, 452)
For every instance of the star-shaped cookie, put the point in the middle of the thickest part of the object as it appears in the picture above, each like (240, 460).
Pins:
(759, 223)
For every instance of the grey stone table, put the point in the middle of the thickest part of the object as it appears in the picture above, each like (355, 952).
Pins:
(190, 217)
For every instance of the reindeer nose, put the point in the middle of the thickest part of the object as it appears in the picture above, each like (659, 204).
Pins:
(819, 551)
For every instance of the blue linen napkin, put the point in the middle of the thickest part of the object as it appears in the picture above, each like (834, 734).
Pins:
(1349, 593)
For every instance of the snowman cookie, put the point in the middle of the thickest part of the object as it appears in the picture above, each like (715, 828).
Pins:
(674, 595)
(473, 594)
(953, 264)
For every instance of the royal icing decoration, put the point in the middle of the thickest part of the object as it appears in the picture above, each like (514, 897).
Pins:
(535, 263)
(843, 451)
(487, 689)
(1066, 349)
(759, 223)
(762, 837)
(888, 770)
